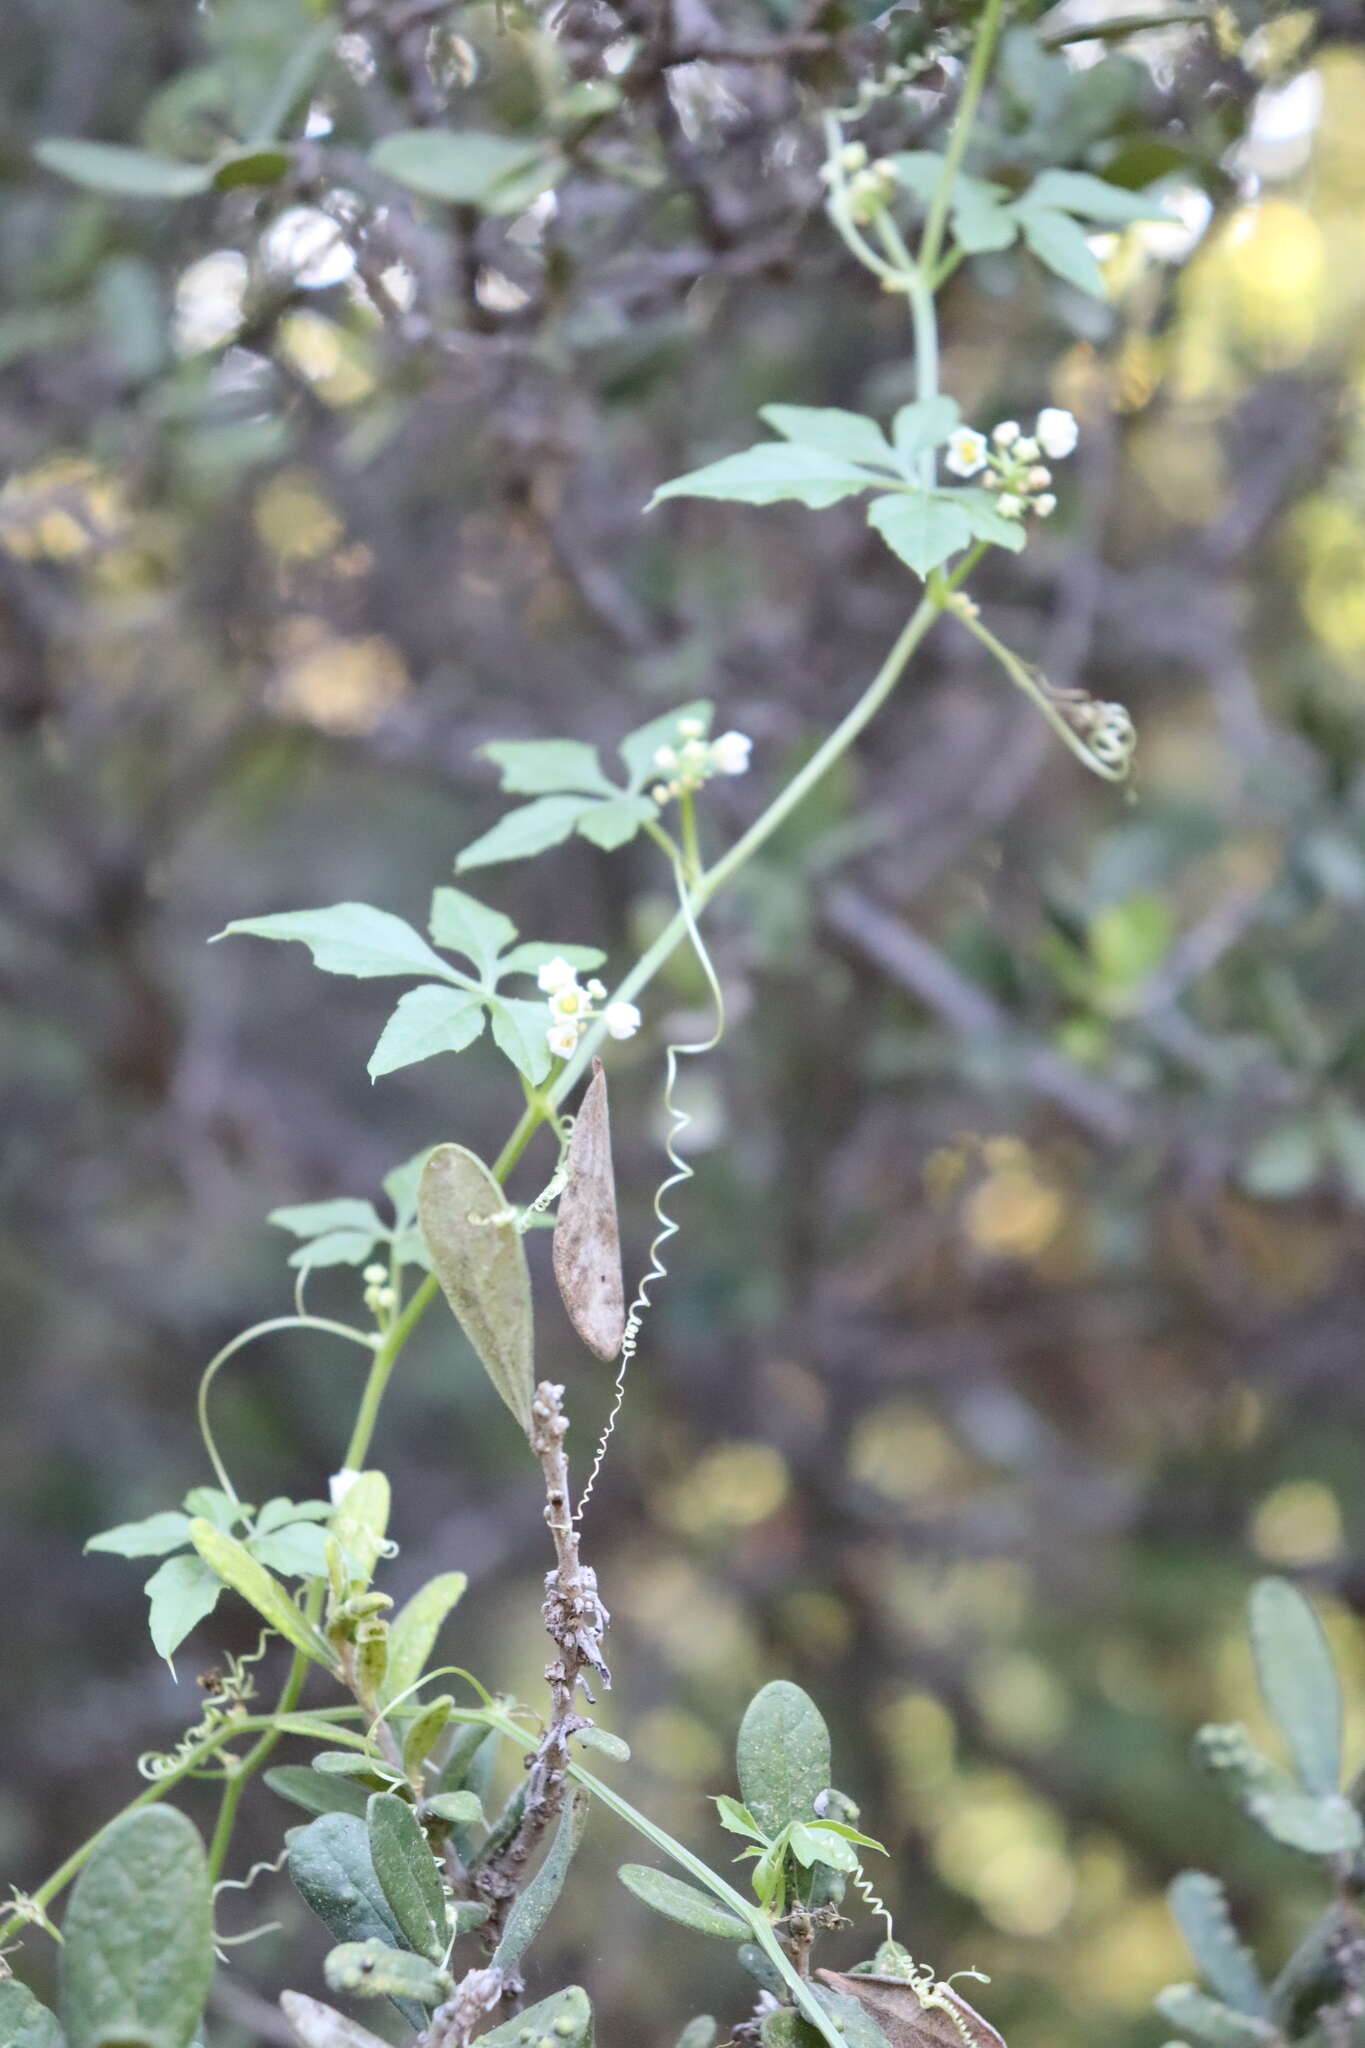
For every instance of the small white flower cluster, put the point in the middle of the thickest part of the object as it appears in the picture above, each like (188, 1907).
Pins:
(871, 186)
(1013, 460)
(572, 1009)
(380, 1298)
(696, 759)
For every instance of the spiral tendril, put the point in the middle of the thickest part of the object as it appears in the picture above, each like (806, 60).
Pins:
(678, 1122)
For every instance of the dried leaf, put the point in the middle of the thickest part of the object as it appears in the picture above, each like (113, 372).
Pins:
(906, 2021)
(587, 1241)
(480, 1261)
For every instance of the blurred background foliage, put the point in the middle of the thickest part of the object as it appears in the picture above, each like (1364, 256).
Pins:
(1015, 1323)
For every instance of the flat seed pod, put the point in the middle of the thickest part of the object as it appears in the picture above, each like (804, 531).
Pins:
(897, 2008)
(587, 1242)
(480, 1260)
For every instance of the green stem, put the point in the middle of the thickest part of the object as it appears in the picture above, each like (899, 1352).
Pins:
(932, 240)
(691, 860)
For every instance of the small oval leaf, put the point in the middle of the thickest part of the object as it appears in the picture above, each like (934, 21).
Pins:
(783, 1756)
(137, 1956)
(681, 1902)
(1299, 1681)
(407, 1873)
(480, 1260)
(587, 1239)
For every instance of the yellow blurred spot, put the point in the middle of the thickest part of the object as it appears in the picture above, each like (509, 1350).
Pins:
(818, 1623)
(1004, 1847)
(692, 1623)
(1330, 536)
(921, 1743)
(734, 1486)
(294, 519)
(942, 1174)
(1013, 1214)
(329, 358)
(1298, 1524)
(677, 1745)
(1121, 1967)
(1181, 467)
(339, 685)
(1020, 1700)
(904, 1453)
(63, 508)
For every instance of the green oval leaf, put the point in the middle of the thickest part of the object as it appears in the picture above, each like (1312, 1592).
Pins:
(564, 2019)
(1200, 1907)
(372, 1969)
(465, 169)
(131, 173)
(1210, 2021)
(407, 1873)
(1299, 1681)
(24, 2023)
(264, 166)
(783, 1756)
(415, 1627)
(681, 1902)
(330, 1864)
(534, 1903)
(481, 1265)
(316, 1792)
(137, 1955)
(233, 1563)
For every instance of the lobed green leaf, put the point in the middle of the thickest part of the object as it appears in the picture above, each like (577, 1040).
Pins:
(347, 938)
(770, 473)
(427, 1021)
(923, 529)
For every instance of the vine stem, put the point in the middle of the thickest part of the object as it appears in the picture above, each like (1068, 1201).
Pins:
(931, 242)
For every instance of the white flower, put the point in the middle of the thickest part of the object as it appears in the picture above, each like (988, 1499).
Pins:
(375, 1276)
(555, 974)
(569, 1001)
(1027, 451)
(597, 989)
(1045, 506)
(1011, 506)
(692, 728)
(966, 451)
(730, 753)
(621, 1019)
(665, 757)
(562, 1040)
(1006, 434)
(1057, 431)
(661, 794)
(340, 1484)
